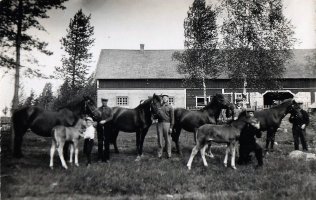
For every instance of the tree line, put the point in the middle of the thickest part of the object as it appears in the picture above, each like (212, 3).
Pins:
(250, 46)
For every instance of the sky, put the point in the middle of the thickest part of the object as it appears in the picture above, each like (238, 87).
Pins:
(124, 24)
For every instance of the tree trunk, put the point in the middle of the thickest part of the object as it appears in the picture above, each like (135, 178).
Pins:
(244, 102)
(15, 100)
(204, 91)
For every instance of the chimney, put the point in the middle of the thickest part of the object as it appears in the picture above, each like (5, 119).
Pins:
(142, 46)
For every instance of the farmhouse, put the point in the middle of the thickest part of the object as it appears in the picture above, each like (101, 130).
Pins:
(126, 77)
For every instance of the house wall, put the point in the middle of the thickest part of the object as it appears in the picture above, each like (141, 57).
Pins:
(138, 89)
(136, 95)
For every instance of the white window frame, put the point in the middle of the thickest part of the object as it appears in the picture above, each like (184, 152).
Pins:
(173, 101)
(238, 95)
(228, 93)
(196, 102)
(120, 101)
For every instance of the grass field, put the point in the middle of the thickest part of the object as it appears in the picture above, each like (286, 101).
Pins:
(153, 178)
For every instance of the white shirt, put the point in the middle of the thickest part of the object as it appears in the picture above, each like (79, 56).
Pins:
(89, 133)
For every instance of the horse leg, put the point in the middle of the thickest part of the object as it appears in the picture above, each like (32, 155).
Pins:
(226, 155)
(138, 135)
(233, 152)
(272, 138)
(52, 152)
(175, 137)
(203, 154)
(142, 139)
(210, 154)
(114, 139)
(75, 146)
(18, 133)
(61, 155)
(195, 135)
(71, 153)
(193, 153)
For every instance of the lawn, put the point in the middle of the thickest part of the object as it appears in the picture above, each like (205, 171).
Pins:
(153, 178)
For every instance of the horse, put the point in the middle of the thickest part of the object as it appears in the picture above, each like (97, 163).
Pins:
(61, 134)
(137, 120)
(270, 119)
(192, 120)
(227, 133)
(41, 122)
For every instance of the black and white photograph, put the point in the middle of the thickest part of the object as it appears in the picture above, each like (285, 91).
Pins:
(158, 99)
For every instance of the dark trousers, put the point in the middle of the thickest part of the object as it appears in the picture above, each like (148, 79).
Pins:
(103, 142)
(299, 134)
(246, 149)
(87, 148)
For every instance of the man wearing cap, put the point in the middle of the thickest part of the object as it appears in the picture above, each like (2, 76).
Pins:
(299, 120)
(165, 124)
(104, 131)
(248, 144)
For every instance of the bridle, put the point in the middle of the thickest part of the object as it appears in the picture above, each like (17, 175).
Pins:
(91, 111)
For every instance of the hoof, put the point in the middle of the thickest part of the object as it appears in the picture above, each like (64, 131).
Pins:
(138, 158)
(51, 167)
(65, 167)
(225, 164)
(77, 165)
(116, 151)
(189, 167)
(234, 168)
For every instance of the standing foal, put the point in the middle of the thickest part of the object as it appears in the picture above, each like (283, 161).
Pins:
(60, 135)
(228, 133)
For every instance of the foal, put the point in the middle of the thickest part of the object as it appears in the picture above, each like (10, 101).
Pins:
(61, 134)
(228, 133)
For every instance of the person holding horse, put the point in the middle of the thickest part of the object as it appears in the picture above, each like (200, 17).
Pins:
(248, 144)
(165, 124)
(299, 120)
(104, 131)
(88, 136)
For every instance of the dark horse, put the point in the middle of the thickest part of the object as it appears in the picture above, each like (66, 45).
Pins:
(192, 120)
(41, 122)
(270, 119)
(136, 120)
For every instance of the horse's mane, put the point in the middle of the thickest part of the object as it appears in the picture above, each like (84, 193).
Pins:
(286, 101)
(144, 104)
(213, 101)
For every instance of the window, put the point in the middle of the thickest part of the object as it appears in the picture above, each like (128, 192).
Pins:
(122, 101)
(239, 96)
(199, 101)
(171, 101)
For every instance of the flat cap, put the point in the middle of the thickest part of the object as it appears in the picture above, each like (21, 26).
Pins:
(104, 99)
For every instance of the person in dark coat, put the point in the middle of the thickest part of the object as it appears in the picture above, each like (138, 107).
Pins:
(104, 131)
(248, 144)
(299, 121)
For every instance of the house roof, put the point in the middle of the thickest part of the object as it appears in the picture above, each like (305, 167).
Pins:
(158, 64)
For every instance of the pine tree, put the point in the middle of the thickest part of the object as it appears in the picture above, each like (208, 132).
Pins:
(76, 44)
(46, 98)
(199, 61)
(30, 101)
(257, 39)
(18, 17)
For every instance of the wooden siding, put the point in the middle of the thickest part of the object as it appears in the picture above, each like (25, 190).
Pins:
(155, 83)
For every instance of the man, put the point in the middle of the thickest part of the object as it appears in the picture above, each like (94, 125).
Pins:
(165, 124)
(248, 143)
(104, 131)
(299, 121)
(238, 109)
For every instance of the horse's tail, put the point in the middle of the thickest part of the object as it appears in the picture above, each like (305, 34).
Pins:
(20, 121)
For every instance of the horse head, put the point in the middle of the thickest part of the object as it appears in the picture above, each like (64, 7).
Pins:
(90, 109)
(220, 102)
(155, 104)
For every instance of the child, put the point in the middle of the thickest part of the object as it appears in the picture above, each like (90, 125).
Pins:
(88, 136)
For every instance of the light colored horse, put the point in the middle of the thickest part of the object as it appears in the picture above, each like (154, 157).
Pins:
(228, 133)
(61, 134)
